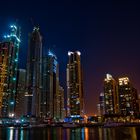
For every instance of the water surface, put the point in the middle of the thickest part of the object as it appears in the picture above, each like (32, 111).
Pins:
(59, 133)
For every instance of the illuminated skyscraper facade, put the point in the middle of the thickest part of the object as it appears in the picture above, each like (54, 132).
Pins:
(50, 86)
(127, 97)
(9, 50)
(75, 101)
(110, 95)
(120, 97)
(34, 73)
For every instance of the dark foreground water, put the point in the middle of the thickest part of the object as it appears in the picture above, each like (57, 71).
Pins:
(58, 133)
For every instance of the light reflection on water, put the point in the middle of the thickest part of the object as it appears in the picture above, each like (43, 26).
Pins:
(58, 133)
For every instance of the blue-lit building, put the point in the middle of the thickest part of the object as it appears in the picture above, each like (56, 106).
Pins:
(34, 74)
(50, 86)
(9, 52)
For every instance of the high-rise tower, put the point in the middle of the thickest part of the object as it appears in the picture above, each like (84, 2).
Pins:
(50, 86)
(60, 110)
(20, 98)
(101, 105)
(75, 101)
(110, 95)
(34, 73)
(127, 97)
(9, 50)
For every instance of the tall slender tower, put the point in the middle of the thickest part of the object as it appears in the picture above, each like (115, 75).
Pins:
(50, 86)
(34, 73)
(110, 95)
(60, 110)
(9, 50)
(75, 101)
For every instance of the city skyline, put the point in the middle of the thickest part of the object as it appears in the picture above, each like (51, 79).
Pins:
(107, 34)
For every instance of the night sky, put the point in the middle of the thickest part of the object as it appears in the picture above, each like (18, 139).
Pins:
(107, 33)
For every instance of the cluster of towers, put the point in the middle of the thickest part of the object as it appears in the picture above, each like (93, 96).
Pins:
(36, 91)
(119, 98)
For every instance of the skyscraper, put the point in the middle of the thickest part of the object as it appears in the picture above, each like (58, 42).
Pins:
(110, 95)
(75, 101)
(34, 73)
(9, 50)
(20, 95)
(101, 105)
(50, 85)
(60, 114)
(127, 97)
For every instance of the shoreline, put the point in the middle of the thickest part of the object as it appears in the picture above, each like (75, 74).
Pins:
(67, 125)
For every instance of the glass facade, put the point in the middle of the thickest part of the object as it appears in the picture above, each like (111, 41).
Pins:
(50, 86)
(34, 73)
(75, 101)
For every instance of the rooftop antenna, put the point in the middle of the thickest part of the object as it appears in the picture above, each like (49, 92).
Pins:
(33, 23)
(19, 28)
(51, 48)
